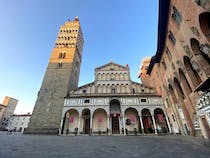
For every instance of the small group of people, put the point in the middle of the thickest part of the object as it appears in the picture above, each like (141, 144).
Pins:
(9, 131)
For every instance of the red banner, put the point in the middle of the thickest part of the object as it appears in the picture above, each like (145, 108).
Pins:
(133, 118)
(100, 119)
(71, 119)
(160, 117)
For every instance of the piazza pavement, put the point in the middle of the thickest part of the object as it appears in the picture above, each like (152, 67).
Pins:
(82, 146)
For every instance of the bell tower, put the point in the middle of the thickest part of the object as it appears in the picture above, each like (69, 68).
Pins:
(61, 76)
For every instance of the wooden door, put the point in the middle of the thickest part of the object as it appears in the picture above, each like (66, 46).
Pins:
(87, 125)
(115, 125)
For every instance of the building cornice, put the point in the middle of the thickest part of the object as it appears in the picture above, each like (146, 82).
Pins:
(164, 6)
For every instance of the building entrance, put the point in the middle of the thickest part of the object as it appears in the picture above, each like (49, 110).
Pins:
(115, 125)
(115, 112)
(86, 116)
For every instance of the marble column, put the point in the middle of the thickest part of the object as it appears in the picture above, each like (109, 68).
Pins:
(91, 123)
(78, 125)
(154, 123)
(108, 125)
(120, 124)
(124, 124)
(141, 122)
(167, 121)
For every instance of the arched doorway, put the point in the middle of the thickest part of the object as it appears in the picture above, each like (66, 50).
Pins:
(115, 112)
(147, 121)
(70, 121)
(160, 120)
(132, 123)
(100, 121)
(86, 121)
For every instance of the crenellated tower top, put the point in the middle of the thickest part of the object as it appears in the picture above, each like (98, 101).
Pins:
(70, 34)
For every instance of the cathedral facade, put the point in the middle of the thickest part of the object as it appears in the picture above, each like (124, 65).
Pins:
(113, 104)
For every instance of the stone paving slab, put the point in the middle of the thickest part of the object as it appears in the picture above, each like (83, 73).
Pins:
(41, 146)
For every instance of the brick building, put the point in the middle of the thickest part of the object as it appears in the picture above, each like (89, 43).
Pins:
(180, 69)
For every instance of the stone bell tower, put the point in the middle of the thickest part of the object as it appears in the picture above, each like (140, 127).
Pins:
(61, 76)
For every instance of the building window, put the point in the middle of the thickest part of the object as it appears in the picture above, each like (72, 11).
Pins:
(62, 55)
(164, 64)
(59, 65)
(112, 79)
(203, 3)
(173, 118)
(84, 91)
(134, 90)
(86, 101)
(168, 54)
(113, 90)
(204, 20)
(176, 16)
(143, 100)
(172, 37)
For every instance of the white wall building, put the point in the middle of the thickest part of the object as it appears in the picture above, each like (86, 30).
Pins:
(113, 104)
(19, 122)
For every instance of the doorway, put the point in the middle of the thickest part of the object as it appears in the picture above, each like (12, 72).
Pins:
(115, 112)
(115, 125)
(86, 123)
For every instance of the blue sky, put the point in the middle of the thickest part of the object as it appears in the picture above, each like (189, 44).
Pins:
(122, 31)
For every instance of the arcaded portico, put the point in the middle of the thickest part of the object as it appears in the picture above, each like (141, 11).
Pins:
(114, 118)
(113, 104)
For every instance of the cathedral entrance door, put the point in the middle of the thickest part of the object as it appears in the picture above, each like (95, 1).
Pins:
(115, 111)
(115, 125)
(87, 125)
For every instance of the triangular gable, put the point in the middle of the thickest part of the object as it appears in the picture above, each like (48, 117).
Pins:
(111, 66)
